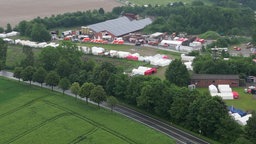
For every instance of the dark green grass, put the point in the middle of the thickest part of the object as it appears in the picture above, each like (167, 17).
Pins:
(29, 114)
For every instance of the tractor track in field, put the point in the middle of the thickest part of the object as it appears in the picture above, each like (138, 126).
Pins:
(94, 123)
(21, 107)
(83, 136)
(37, 127)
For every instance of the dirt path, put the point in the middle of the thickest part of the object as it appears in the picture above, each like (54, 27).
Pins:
(14, 11)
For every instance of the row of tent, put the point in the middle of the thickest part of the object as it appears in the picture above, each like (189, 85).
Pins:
(238, 115)
(10, 34)
(156, 60)
(224, 91)
(35, 44)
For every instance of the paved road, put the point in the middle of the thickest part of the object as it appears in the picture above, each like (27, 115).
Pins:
(180, 136)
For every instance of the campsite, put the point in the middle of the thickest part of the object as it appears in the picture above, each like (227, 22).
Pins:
(192, 72)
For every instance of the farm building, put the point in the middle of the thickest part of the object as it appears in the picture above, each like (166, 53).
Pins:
(118, 27)
(204, 80)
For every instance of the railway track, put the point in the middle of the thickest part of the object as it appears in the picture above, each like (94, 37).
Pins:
(180, 136)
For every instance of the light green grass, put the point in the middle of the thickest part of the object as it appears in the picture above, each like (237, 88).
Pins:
(29, 114)
(15, 55)
(245, 102)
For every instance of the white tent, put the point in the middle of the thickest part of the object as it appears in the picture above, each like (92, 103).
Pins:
(213, 88)
(113, 53)
(188, 65)
(225, 96)
(243, 120)
(170, 42)
(97, 50)
(85, 49)
(235, 116)
(224, 88)
(186, 58)
(122, 54)
(13, 33)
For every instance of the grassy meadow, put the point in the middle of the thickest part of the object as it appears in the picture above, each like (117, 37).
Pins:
(29, 114)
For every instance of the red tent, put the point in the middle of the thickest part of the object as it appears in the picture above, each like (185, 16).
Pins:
(150, 71)
(86, 39)
(235, 95)
(131, 57)
(118, 42)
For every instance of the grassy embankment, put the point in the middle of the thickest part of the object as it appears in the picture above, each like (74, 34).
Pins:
(29, 114)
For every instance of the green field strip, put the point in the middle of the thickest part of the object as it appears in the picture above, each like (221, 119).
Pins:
(21, 107)
(59, 129)
(121, 136)
(36, 127)
(103, 137)
(20, 121)
(83, 136)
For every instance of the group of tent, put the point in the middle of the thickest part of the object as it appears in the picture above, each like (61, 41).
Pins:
(238, 115)
(156, 60)
(224, 91)
(141, 70)
(116, 41)
(187, 60)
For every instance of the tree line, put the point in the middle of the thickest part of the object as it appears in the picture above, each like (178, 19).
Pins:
(196, 19)
(169, 99)
(207, 64)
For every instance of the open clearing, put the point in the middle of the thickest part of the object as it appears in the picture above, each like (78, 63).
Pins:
(15, 11)
(29, 114)
(246, 101)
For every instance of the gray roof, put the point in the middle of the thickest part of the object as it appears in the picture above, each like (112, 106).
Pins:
(121, 26)
(214, 76)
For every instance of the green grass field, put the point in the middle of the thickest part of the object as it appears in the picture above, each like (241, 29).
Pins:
(29, 114)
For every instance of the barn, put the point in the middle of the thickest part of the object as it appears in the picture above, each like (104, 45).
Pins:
(118, 27)
(204, 80)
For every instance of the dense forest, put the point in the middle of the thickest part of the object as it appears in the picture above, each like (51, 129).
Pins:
(196, 19)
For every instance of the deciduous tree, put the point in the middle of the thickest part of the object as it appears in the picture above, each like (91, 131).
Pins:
(85, 90)
(112, 102)
(17, 72)
(64, 84)
(39, 75)
(27, 74)
(177, 73)
(3, 53)
(98, 95)
(250, 128)
(75, 88)
(52, 79)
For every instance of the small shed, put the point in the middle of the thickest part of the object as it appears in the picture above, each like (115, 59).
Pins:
(204, 80)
